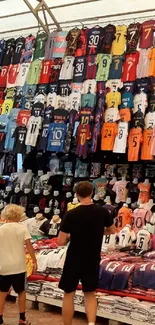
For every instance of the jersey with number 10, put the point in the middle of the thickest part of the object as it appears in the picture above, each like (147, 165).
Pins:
(130, 65)
(56, 137)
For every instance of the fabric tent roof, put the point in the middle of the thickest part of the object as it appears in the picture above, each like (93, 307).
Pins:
(16, 18)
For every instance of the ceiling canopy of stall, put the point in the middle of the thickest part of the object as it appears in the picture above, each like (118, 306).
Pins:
(16, 18)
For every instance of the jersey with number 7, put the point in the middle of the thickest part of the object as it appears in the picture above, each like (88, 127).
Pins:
(129, 67)
(118, 46)
(147, 144)
(134, 140)
(147, 33)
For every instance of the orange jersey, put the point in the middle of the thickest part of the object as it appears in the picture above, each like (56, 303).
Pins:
(125, 114)
(108, 133)
(123, 218)
(144, 193)
(147, 144)
(134, 140)
(151, 56)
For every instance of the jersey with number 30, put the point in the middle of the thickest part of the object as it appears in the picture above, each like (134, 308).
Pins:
(95, 39)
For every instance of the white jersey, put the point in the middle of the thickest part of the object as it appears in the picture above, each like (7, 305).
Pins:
(75, 101)
(40, 98)
(126, 237)
(114, 84)
(143, 240)
(51, 99)
(109, 241)
(62, 102)
(143, 64)
(33, 127)
(111, 115)
(89, 86)
(67, 69)
(22, 75)
(121, 138)
(140, 102)
(149, 120)
(42, 259)
(34, 225)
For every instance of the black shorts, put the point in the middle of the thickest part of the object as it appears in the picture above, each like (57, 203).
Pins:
(17, 281)
(73, 273)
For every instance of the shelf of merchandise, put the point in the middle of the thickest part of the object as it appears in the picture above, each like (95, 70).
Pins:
(58, 303)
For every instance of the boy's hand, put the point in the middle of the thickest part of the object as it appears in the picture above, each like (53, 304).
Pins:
(35, 266)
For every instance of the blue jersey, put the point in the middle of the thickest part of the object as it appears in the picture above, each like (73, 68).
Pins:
(56, 137)
(107, 273)
(116, 67)
(127, 100)
(4, 120)
(121, 278)
(2, 50)
(9, 140)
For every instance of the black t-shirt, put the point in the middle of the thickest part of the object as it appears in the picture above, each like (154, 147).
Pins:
(151, 106)
(10, 45)
(64, 88)
(53, 87)
(37, 109)
(129, 86)
(19, 47)
(95, 39)
(42, 88)
(142, 85)
(86, 226)
(79, 69)
(60, 115)
(20, 136)
(133, 192)
(138, 120)
(43, 136)
(108, 37)
(2, 140)
(48, 113)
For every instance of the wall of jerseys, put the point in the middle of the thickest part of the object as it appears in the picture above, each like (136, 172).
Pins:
(80, 91)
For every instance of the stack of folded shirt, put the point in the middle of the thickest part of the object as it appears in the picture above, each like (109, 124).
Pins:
(34, 288)
(152, 314)
(123, 306)
(79, 298)
(47, 289)
(141, 311)
(105, 302)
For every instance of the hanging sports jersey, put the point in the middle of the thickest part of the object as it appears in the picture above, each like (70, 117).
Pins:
(67, 69)
(108, 37)
(138, 119)
(111, 115)
(103, 62)
(152, 102)
(10, 46)
(88, 100)
(64, 88)
(19, 47)
(49, 46)
(56, 65)
(149, 120)
(12, 75)
(20, 135)
(40, 98)
(7, 106)
(56, 137)
(4, 120)
(60, 45)
(151, 56)
(3, 75)
(129, 86)
(33, 127)
(125, 114)
(118, 46)
(23, 117)
(9, 140)
(109, 242)
(22, 75)
(133, 35)
(144, 194)
(86, 115)
(60, 115)
(134, 141)
(121, 138)
(82, 42)
(13, 114)
(45, 72)
(43, 136)
(79, 69)
(91, 67)
(146, 145)
(142, 84)
(89, 86)
(62, 102)
(127, 100)
(51, 99)
(83, 137)
(28, 51)
(40, 45)
(95, 40)
(48, 114)
(124, 216)
(140, 217)
(72, 40)
(126, 237)
(140, 103)
(143, 64)
(2, 50)
(114, 84)
(75, 101)
(147, 32)
(129, 67)
(113, 99)
(116, 66)
(34, 72)
(37, 109)
(108, 134)
(143, 240)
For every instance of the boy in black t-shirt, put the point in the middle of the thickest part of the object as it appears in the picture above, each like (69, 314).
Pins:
(84, 227)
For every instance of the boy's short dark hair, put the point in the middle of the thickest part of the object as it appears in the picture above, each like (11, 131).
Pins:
(84, 189)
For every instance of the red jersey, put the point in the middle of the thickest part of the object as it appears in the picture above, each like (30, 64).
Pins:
(55, 70)
(23, 117)
(91, 67)
(12, 75)
(147, 31)
(3, 75)
(45, 72)
(129, 67)
(83, 137)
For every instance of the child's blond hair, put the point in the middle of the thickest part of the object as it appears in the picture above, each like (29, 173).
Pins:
(12, 212)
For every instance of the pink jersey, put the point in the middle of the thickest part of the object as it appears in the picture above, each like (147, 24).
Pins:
(143, 64)
(121, 191)
(140, 217)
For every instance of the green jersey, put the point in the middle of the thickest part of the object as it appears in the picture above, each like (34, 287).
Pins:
(103, 61)
(40, 46)
(88, 100)
(34, 72)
